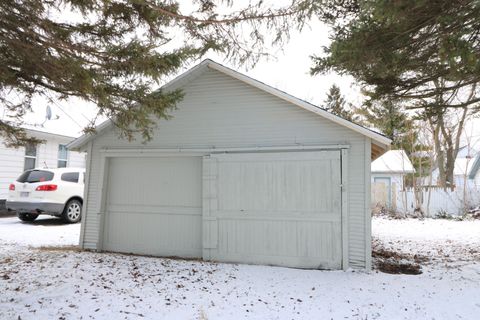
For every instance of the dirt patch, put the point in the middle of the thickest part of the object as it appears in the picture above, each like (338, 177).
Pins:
(60, 248)
(397, 267)
(396, 262)
(7, 260)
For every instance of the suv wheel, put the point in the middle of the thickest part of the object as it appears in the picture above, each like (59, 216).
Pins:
(72, 212)
(26, 216)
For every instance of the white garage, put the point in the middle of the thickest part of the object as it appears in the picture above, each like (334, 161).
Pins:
(241, 173)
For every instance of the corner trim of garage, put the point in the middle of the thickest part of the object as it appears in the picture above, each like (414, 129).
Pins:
(85, 195)
(368, 212)
(344, 193)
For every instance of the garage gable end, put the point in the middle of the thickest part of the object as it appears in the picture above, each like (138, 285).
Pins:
(380, 141)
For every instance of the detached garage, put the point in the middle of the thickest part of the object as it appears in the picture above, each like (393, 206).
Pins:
(242, 173)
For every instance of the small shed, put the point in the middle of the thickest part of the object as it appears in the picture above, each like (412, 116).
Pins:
(388, 175)
(242, 172)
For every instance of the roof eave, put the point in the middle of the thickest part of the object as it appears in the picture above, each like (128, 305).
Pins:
(393, 172)
(81, 141)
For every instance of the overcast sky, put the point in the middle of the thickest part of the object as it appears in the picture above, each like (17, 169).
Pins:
(287, 70)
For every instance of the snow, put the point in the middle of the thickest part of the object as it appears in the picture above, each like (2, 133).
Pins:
(64, 283)
(392, 161)
(448, 244)
(427, 230)
(463, 166)
(45, 231)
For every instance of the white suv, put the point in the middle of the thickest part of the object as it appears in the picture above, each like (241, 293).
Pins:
(57, 192)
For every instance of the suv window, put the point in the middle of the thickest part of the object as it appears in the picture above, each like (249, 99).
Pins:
(70, 176)
(32, 176)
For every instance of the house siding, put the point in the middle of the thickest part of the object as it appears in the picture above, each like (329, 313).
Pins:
(219, 111)
(11, 166)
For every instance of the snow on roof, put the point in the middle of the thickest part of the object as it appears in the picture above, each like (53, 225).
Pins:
(463, 166)
(393, 161)
(468, 151)
(39, 130)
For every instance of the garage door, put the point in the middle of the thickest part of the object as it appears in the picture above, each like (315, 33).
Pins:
(154, 206)
(274, 208)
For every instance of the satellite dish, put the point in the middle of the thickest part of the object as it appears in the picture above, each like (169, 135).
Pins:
(48, 113)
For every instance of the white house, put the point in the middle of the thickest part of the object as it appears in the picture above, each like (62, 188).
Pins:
(242, 173)
(465, 170)
(388, 177)
(52, 153)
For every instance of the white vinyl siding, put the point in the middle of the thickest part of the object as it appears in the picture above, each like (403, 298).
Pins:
(221, 112)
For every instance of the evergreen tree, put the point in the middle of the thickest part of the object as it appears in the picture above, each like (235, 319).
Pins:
(424, 54)
(404, 130)
(407, 49)
(115, 53)
(390, 119)
(336, 104)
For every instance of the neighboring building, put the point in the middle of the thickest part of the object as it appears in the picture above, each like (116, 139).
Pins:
(388, 178)
(468, 151)
(432, 200)
(242, 172)
(466, 169)
(52, 153)
(474, 172)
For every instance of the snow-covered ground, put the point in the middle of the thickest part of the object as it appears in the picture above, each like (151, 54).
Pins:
(59, 283)
(45, 231)
(446, 244)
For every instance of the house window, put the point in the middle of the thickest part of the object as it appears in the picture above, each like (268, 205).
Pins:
(30, 156)
(62, 156)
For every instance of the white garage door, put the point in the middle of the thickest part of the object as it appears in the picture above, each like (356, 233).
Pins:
(275, 208)
(154, 206)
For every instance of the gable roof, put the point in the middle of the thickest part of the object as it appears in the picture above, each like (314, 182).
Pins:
(393, 161)
(475, 167)
(194, 72)
(47, 133)
(463, 166)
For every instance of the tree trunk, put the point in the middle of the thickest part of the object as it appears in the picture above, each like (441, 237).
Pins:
(447, 143)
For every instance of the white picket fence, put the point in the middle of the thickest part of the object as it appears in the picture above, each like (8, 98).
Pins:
(430, 200)
(435, 200)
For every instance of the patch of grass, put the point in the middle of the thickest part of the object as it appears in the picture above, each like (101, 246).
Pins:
(7, 260)
(61, 248)
(203, 316)
(442, 214)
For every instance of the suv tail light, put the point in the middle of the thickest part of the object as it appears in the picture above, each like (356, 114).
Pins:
(11, 187)
(47, 187)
